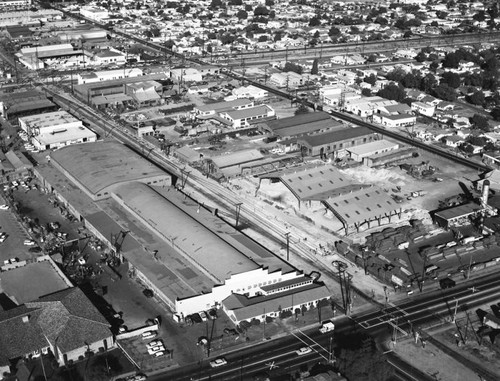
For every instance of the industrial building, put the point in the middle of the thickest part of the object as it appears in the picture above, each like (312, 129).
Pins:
(355, 205)
(108, 164)
(359, 153)
(14, 165)
(24, 103)
(333, 144)
(182, 251)
(54, 130)
(302, 124)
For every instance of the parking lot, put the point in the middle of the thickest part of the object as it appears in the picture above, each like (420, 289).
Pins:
(12, 246)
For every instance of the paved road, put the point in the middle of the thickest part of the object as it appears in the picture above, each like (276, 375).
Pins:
(415, 315)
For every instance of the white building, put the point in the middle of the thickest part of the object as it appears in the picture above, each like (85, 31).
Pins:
(6, 4)
(401, 120)
(358, 153)
(186, 75)
(423, 108)
(289, 79)
(250, 91)
(245, 117)
(55, 129)
(94, 13)
(108, 75)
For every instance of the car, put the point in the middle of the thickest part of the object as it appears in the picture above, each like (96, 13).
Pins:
(202, 341)
(149, 335)
(82, 261)
(15, 183)
(203, 315)
(35, 249)
(154, 343)
(230, 331)
(4, 207)
(3, 238)
(29, 242)
(218, 362)
(152, 351)
(303, 351)
(159, 354)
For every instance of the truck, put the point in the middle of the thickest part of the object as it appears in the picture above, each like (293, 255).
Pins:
(327, 326)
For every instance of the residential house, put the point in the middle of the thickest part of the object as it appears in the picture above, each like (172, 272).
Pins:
(107, 57)
(144, 93)
(250, 92)
(65, 323)
(453, 141)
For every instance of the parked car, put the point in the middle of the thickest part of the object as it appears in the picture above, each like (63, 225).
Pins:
(4, 207)
(149, 335)
(160, 353)
(212, 314)
(303, 351)
(29, 242)
(218, 362)
(154, 343)
(35, 249)
(203, 316)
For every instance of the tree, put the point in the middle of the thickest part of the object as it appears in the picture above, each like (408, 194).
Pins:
(495, 114)
(451, 60)
(269, 3)
(476, 98)
(445, 92)
(242, 15)
(366, 92)
(261, 10)
(451, 79)
(334, 31)
(314, 21)
(216, 4)
(277, 36)
(480, 122)
(315, 69)
(290, 66)
(393, 92)
(302, 109)
(371, 79)
(428, 82)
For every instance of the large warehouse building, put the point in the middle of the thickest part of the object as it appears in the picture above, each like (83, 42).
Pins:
(354, 204)
(185, 253)
(107, 165)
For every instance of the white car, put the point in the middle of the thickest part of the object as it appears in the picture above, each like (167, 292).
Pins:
(152, 351)
(218, 362)
(82, 261)
(149, 335)
(3, 237)
(29, 242)
(154, 343)
(4, 207)
(159, 354)
(203, 315)
(304, 351)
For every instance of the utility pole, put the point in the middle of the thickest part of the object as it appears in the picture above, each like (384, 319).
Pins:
(455, 312)
(238, 210)
(287, 235)
(421, 283)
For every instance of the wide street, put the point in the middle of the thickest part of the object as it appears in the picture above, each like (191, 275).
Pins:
(386, 324)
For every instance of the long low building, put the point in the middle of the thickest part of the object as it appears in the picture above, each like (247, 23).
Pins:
(185, 253)
(107, 164)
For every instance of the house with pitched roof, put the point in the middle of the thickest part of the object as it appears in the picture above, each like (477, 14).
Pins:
(65, 323)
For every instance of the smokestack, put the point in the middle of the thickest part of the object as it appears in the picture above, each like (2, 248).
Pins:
(486, 193)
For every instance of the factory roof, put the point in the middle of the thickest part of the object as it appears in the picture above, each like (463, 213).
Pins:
(336, 136)
(208, 251)
(248, 112)
(372, 147)
(224, 106)
(71, 134)
(459, 211)
(23, 105)
(318, 183)
(237, 158)
(362, 205)
(302, 124)
(49, 119)
(96, 166)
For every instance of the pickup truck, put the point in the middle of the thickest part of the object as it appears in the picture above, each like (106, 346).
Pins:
(327, 327)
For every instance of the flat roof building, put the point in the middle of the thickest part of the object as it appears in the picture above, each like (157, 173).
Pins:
(302, 124)
(99, 167)
(55, 130)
